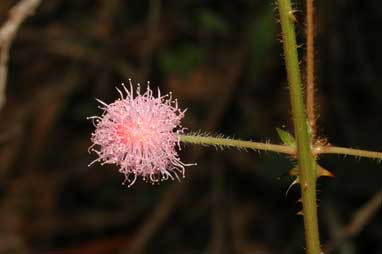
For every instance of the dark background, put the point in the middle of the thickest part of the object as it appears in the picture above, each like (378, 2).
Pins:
(223, 61)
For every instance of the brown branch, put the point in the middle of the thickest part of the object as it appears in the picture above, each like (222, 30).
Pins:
(7, 34)
(310, 66)
(360, 219)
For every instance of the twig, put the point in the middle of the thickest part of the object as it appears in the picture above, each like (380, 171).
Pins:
(335, 224)
(7, 34)
(348, 151)
(359, 221)
(310, 66)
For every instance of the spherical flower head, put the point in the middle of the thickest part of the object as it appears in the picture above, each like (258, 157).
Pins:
(140, 135)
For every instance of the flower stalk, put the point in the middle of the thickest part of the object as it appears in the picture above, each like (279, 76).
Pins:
(239, 144)
(306, 159)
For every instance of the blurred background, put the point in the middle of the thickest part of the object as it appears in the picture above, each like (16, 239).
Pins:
(223, 61)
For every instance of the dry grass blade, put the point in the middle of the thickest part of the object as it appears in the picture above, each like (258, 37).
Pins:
(359, 221)
(7, 33)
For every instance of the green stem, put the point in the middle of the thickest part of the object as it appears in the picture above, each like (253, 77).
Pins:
(348, 151)
(240, 144)
(306, 160)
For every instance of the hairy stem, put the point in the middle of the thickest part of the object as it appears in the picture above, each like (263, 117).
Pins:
(240, 144)
(305, 157)
(348, 151)
(310, 66)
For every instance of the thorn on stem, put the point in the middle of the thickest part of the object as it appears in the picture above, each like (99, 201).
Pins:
(292, 17)
(294, 171)
(296, 181)
(324, 172)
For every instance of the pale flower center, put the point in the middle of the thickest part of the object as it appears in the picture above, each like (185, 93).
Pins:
(134, 132)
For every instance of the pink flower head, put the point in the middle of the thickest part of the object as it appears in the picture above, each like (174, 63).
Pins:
(139, 135)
